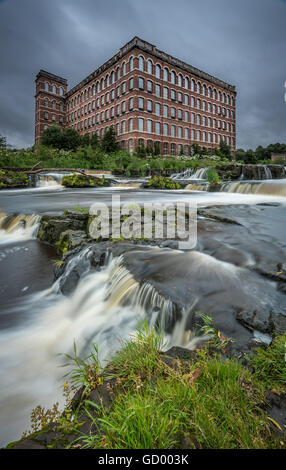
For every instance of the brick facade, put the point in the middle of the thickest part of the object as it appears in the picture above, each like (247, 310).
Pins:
(148, 96)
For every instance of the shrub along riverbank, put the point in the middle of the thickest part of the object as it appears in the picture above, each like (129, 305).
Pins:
(147, 399)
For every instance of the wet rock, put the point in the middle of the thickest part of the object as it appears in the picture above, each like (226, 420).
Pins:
(256, 320)
(28, 444)
(173, 244)
(51, 227)
(278, 322)
(180, 353)
(277, 411)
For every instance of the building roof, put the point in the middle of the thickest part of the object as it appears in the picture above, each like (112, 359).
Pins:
(51, 76)
(145, 46)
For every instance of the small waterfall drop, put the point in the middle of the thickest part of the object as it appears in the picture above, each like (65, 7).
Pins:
(49, 180)
(191, 174)
(269, 188)
(18, 227)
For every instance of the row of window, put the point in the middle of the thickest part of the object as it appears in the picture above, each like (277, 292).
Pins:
(158, 129)
(168, 113)
(168, 94)
(147, 66)
(54, 105)
(54, 89)
(53, 117)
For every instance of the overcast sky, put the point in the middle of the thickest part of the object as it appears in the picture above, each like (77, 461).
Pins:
(242, 42)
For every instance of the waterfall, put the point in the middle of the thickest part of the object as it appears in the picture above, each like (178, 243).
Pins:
(18, 227)
(105, 309)
(49, 180)
(190, 174)
(273, 188)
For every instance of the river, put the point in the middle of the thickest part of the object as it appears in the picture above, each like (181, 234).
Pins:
(37, 323)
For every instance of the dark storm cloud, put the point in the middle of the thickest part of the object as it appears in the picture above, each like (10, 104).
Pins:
(241, 42)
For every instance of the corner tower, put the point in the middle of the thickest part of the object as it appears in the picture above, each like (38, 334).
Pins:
(50, 102)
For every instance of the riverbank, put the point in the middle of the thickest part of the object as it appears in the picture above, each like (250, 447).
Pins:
(227, 172)
(214, 397)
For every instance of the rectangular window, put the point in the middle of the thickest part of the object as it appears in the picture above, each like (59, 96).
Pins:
(149, 126)
(131, 84)
(157, 128)
(141, 83)
(158, 90)
(149, 86)
(149, 106)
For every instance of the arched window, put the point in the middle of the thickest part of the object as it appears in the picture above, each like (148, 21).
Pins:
(141, 124)
(193, 85)
(123, 69)
(107, 81)
(158, 71)
(54, 89)
(214, 94)
(47, 86)
(46, 102)
(131, 64)
(204, 90)
(198, 87)
(180, 80)
(166, 75)
(61, 91)
(141, 63)
(186, 83)
(149, 66)
(101, 86)
(131, 124)
(173, 77)
(54, 104)
(112, 78)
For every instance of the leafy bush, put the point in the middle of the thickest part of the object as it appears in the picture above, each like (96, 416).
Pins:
(159, 182)
(212, 176)
(82, 181)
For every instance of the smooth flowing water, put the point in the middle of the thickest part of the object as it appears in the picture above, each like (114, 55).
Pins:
(37, 323)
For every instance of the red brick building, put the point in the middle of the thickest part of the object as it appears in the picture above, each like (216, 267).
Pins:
(148, 96)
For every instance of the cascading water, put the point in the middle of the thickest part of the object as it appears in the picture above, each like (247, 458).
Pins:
(18, 227)
(105, 308)
(49, 180)
(269, 188)
(190, 174)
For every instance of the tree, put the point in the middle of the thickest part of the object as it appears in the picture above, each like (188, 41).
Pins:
(109, 143)
(3, 142)
(196, 149)
(94, 142)
(71, 139)
(140, 151)
(85, 140)
(52, 137)
(157, 150)
(225, 150)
